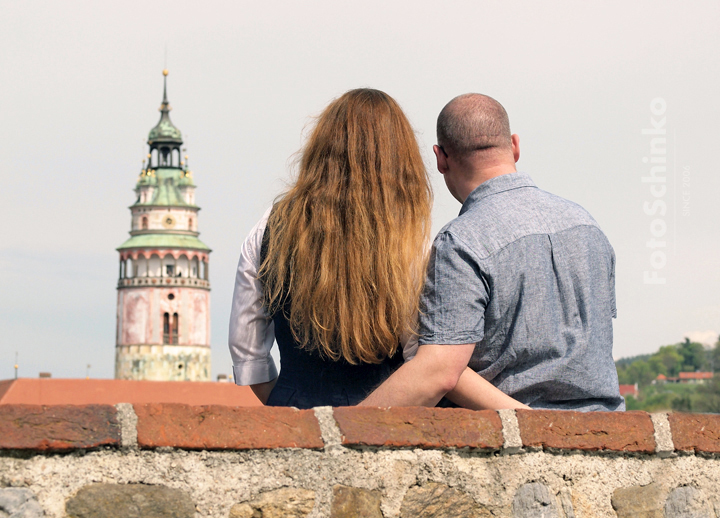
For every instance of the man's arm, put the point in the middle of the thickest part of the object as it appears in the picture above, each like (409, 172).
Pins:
(425, 379)
(435, 371)
(475, 392)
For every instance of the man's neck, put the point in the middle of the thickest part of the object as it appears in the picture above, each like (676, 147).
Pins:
(479, 176)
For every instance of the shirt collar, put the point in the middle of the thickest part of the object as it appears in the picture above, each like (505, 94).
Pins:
(504, 182)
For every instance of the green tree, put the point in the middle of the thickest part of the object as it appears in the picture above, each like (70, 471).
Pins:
(640, 372)
(657, 365)
(714, 357)
(693, 356)
(670, 358)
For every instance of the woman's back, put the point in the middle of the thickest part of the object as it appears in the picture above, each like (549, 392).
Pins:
(308, 380)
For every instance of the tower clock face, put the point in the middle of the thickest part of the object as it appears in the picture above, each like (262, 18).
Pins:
(168, 221)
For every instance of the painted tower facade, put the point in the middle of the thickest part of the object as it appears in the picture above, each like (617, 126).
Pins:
(163, 308)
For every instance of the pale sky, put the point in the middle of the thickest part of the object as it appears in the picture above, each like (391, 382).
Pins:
(80, 84)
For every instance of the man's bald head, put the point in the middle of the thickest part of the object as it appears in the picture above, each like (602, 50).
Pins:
(473, 123)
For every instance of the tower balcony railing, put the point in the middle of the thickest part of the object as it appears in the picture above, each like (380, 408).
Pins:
(191, 282)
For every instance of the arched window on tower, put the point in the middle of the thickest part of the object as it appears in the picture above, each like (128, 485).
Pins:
(141, 267)
(166, 328)
(129, 271)
(174, 329)
(190, 224)
(194, 268)
(182, 266)
(154, 266)
(168, 269)
(144, 223)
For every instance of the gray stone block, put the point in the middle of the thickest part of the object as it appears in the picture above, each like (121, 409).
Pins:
(18, 502)
(686, 502)
(12, 498)
(129, 501)
(534, 500)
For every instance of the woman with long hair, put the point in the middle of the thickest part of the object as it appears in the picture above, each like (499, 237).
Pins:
(334, 269)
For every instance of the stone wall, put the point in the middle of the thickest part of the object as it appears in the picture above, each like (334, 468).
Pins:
(172, 460)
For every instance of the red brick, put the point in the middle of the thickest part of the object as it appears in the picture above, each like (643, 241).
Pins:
(57, 427)
(616, 431)
(697, 432)
(419, 427)
(214, 427)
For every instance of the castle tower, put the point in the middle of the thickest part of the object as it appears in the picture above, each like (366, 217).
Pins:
(163, 309)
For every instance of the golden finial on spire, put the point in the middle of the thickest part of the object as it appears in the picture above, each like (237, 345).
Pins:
(165, 72)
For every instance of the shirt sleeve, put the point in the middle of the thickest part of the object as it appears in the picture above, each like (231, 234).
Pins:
(613, 307)
(453, 302)
(409, 344)
(252, 331)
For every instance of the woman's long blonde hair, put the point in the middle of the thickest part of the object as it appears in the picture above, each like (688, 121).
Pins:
(347, 242)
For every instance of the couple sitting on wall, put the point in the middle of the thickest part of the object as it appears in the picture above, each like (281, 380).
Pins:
(512, 306)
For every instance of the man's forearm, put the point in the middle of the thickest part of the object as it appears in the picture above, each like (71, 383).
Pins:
(403, 388)
(424, 380)
(475, 392)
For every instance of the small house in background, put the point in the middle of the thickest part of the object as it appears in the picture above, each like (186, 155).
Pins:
(695, 377)
(629, 390)
(685, 377)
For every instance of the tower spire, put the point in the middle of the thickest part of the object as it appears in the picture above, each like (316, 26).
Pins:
(165, 106)
(165, 135)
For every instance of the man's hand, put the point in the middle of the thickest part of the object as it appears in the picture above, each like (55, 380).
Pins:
(425, 379)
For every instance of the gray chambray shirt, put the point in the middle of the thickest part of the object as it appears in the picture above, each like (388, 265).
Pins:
(530, 278)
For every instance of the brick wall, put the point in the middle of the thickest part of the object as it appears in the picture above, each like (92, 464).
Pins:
(165, 459)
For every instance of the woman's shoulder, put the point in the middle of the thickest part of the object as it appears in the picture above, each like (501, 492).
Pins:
(253, 242)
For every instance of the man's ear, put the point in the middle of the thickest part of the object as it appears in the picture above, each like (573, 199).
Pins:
(515, 146)
(441, 157)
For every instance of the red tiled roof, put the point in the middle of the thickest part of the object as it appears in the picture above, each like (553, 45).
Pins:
(628, 389)
(37, 391)
(696, 375)
(661, 377)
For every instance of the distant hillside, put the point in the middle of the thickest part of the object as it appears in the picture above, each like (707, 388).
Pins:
(671, 360)
(627, 361)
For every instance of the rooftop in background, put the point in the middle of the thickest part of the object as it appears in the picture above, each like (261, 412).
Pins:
(631, 390)
(695, 375)
(48, 391)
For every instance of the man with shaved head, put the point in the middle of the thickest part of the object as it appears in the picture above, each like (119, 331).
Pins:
(519, 299)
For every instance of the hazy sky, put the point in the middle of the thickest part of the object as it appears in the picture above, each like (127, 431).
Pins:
(80, 84)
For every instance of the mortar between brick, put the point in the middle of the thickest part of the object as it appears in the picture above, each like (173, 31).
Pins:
(329, 430)
(128, 425)
(664, 446)
(512, 442)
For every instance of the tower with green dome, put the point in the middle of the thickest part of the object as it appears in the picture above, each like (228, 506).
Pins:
(163, 310)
